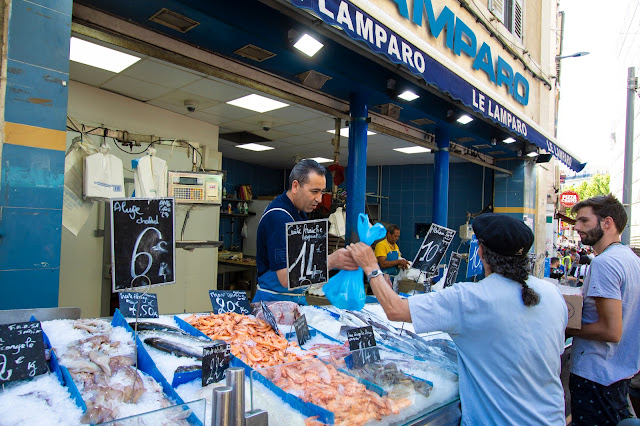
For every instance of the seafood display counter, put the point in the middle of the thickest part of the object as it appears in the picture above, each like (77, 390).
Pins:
(151, 372)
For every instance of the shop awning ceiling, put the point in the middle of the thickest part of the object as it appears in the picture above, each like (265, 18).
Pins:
(226, 26)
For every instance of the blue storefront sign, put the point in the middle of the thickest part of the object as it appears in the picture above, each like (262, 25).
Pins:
(380, 39)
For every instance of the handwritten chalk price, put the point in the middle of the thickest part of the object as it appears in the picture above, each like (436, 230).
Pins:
(130, 300)
(362, 343)
(21, 351)
(215, 361)
(223, 301)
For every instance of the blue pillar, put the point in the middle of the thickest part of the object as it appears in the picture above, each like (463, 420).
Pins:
(357, 165)
(441, 177)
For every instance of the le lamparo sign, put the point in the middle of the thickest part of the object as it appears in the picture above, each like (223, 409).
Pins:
(569, 198)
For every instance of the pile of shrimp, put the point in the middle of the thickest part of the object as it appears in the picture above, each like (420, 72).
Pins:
(322, 384)
(252, 340)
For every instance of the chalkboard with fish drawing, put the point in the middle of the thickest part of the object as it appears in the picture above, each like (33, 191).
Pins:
(21, 351)
(142, 242)
(307, 253)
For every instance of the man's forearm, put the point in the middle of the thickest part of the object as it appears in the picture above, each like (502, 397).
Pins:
(396, 308)
(594, 331)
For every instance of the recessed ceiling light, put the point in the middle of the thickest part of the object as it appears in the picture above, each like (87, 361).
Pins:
(408, 95)
(344, 132)
(308, 45)
(321, 160)
(257, 103)
(254, 147)
(509, 140)
(464, 119)
(532, 154)
(412, 149)
(99, 56)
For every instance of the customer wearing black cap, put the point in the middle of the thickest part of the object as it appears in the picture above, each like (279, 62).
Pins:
(508, 328)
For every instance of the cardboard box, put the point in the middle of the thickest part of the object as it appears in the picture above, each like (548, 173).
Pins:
(573, 298)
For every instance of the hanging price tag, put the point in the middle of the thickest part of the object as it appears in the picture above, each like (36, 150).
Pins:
(302, 329)
(129, 301)
(268, 315)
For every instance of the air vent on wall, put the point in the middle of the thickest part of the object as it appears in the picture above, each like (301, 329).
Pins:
(482, 146)
(256, 53)
(390, 110)
(495, 152)
(173, 20)
(243, 137)
(465, 139)
(313, 79)
(422, 121)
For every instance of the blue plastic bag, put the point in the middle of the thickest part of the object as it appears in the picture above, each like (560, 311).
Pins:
(345, 290)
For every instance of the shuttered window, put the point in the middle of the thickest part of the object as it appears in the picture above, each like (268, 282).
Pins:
(511, 14)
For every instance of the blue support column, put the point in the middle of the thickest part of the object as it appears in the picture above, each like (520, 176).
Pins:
(357, 165)
(441, 177)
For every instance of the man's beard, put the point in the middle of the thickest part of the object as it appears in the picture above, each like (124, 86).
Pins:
(592, 236)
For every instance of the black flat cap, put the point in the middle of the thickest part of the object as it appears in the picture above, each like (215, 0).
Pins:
(503, 234)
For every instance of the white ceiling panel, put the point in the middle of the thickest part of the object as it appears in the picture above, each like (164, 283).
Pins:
(178, 97)
(229, 111)
(215, 90)
(89, 75)
(158, 73)
(133, 88)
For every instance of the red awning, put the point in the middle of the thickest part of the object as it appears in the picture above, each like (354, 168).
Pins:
(564, 218)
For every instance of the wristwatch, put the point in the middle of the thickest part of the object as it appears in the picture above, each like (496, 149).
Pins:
(373, 274)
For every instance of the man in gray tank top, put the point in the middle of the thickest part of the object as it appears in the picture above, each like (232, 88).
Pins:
(606, 350)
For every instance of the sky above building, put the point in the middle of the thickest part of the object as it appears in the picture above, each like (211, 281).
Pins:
(593, 88)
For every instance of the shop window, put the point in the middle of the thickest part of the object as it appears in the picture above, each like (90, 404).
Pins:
(510, 13)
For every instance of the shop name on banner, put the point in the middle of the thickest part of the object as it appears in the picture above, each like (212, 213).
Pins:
(498, 113)
(223, 301)
(141, 305)
(21, 351)
(460, 38)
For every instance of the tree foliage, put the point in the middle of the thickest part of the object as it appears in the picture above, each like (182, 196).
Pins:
(597, 185)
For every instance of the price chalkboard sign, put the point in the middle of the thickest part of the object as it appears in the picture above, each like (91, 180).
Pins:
(363, 342)
(474, 267)
(224, 301)
(302, 329)
(215, 361)
(144, 305)
(307, 253)
(452, 269)
(268, 315)
(21, 351)
(142, 242)
(432, 249)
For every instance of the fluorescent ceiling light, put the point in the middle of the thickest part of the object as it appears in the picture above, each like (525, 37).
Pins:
(464, 119)
(308, 45)
(532, 154)
(408, 95)
(321, 160)
(412, 149)
(509, 140)
(254, 147)
(99, 56)
(257, 103)
(344, 132)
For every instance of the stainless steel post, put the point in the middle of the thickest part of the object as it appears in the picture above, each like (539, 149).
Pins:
(221, 411)
(257, 418)
(627, 185)
(235, 380)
